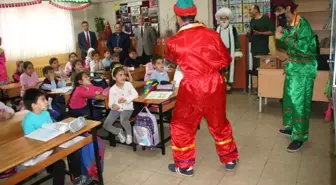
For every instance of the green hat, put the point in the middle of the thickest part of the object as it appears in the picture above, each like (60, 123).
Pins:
(185, 8)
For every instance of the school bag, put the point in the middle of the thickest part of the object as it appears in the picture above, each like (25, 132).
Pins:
(146, 130)
(150, 86)
(89, 167)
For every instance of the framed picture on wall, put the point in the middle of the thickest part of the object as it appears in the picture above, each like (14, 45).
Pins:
(155, 26)
(152, 12)
(153, 19)
(126, 18)
(135, 10)
(123, 10)
(135, 19)
(128, 28)
(144, 11)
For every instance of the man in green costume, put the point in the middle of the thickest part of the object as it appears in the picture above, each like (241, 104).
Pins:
(301, 69)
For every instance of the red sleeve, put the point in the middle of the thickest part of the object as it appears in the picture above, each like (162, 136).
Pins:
(169, 52)
(223, 53)
(85, 92)
(95, 89)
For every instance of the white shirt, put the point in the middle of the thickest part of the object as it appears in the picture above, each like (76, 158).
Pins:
(128, 92)
(225, 37)
(96, 66)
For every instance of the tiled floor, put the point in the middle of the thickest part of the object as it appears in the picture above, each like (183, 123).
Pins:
(263, 156)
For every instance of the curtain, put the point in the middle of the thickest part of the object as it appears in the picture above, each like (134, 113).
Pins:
(36, 31)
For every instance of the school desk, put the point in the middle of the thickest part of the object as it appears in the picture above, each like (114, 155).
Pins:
(271, 84)
(16, 152)
(11, 128)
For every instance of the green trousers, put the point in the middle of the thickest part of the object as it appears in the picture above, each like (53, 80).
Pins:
(297, 103)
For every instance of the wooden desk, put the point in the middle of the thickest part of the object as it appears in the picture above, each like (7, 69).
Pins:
(11, 129)
(162, 108)
(22, 149)
(271, 84)
(138, 74)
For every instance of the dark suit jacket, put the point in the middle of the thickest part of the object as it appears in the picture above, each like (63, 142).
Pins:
(124, 43)
(83, 44)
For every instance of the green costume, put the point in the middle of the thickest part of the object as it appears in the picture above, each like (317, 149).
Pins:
(301, 70)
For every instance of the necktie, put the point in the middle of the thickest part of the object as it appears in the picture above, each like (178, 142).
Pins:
(88, 40)
(141, 27)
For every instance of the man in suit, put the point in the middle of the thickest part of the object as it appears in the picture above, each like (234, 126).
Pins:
(119, 42)
(145, 41)
(86, 39)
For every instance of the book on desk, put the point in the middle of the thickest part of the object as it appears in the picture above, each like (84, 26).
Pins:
(49, 131)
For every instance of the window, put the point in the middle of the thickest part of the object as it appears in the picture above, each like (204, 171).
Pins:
(35, 31)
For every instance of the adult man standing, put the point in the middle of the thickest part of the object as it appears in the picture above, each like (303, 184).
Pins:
(119, 42)
(86, 39)
(300, 69)
(230, 38)
(201, 54)
(145, 41)
(261, 27)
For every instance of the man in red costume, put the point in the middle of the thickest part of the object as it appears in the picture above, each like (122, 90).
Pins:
(201, 54)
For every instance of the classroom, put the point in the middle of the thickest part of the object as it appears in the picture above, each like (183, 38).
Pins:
(170, 92)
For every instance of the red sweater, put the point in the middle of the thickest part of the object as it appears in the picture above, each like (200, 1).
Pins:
(81, 94)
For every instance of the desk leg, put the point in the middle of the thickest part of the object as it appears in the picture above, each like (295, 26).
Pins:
(96, 151)
(265, 101)
(163, 144)
(260, 104)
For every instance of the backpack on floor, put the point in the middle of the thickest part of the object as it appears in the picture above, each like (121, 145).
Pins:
(89, 167)
(146, 130)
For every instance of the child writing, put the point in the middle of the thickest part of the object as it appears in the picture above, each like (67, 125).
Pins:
(107, 60)
(68, 66)
(96, 64)
(29, 78)
(83, 90)
(121, 95)
(159, 73)
(18, 72)
(131, 60)
(5, 112)
(59, 72)
(36, 103)
(89, 58)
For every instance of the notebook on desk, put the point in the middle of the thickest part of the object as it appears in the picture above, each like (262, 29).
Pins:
(49, 131)
(61, 90)
(159, 95)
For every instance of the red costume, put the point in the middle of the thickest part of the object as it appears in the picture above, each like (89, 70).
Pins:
(201, 54)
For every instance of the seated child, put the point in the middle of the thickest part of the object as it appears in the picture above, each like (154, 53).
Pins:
(121, 95)
(83, 91)
(18, 72)
(115, 60)
(59, 72)
(107, 60)
(149, 71)
(29, 78)
(159, 73)
(131, 60)
(5, 112)
(68, 66)
(57, 103)
(35, 101)
(89, 58)
(77, 67)
(96, 64)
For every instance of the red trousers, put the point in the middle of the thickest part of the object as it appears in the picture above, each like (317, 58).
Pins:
(199, 98)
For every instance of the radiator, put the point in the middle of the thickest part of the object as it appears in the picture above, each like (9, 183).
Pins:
(39, 69)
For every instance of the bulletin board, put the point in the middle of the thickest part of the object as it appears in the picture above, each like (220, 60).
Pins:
(128, 14)
(240, 9)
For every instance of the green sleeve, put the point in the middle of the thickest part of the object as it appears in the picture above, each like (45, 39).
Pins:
(303, 40)
(236, 38)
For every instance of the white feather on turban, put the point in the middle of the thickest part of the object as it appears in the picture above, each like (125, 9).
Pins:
(224, 12)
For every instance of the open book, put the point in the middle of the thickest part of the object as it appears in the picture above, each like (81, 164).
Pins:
(161, 95)
(61, 90)
(49, 131)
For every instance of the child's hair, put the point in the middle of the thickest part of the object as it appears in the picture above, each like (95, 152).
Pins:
(18, 63)
(131, 50)
(74, 64)
(26, 64)
(31, 96)
(116, 70)
(93, 53)
(78, 77)
(155, 58)
(106, 51)
(73, 53)
(115, 54)
(52, 60)
(46, 69)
